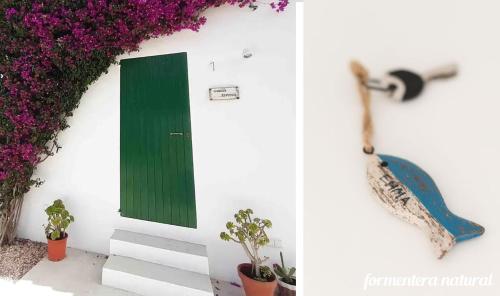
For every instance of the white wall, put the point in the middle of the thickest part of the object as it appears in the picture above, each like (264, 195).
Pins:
(451, 131)
(244, 155)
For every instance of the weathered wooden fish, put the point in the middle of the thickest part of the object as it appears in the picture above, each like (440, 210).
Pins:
(411, 194)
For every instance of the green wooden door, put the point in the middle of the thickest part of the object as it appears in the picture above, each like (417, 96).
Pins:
(156, 161)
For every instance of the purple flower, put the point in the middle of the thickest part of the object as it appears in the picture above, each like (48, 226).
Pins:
(10, 12)
(3, 176)
(280, 6)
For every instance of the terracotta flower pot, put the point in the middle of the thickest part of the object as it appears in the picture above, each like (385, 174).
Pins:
(286, 289)
(57, 249)
(253, 287)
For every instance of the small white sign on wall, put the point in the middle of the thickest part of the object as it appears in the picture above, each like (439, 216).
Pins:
(224, 93)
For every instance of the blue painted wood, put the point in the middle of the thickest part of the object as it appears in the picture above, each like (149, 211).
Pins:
(424, 189)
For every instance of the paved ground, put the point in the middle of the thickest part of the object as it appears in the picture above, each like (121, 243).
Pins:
(79, 274)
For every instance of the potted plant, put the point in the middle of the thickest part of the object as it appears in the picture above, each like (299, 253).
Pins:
(250, 233)
(286, 278)
(58, 222)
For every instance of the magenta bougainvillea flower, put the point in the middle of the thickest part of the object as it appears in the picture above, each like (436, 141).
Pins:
(51, 50)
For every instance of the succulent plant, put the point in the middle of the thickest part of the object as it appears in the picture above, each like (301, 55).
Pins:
(286, 275)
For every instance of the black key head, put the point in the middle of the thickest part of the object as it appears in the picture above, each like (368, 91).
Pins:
(404, 85)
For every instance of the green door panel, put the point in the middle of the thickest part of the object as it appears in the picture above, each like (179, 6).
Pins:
(156, 157)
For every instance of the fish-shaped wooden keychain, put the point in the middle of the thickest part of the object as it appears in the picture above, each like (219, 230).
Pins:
(406, 190)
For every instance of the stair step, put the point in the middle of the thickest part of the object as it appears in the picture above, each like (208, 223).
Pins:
(151, 279)
(174, 253)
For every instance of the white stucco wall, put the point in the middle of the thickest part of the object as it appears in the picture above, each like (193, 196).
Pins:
(244, 155)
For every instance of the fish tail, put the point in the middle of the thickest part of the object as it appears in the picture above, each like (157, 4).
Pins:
(458, 230)
(465, 229)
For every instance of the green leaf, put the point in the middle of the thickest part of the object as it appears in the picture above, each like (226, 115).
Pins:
(280, 269)
(55, 235)
(225, 236)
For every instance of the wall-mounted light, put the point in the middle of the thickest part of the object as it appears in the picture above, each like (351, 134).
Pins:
(247, 53)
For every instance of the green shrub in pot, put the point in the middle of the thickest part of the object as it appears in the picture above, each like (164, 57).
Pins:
(59, 219)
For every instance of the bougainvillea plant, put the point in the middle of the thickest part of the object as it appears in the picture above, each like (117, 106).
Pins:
(50, 52)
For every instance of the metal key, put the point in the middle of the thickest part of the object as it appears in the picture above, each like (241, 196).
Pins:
(404, 85)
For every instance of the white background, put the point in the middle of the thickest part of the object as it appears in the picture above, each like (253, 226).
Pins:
(244, 154)
(452, 131)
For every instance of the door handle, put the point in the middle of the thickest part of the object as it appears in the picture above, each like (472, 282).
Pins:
(176, 134)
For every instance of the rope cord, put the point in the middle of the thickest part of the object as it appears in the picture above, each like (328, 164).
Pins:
(361, 75)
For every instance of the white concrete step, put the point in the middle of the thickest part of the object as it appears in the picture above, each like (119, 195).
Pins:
(151, 279)
(174, 253)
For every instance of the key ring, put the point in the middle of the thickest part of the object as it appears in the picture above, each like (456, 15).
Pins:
(405, 85)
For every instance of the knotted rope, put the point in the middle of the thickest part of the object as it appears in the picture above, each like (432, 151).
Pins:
(361, 75)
